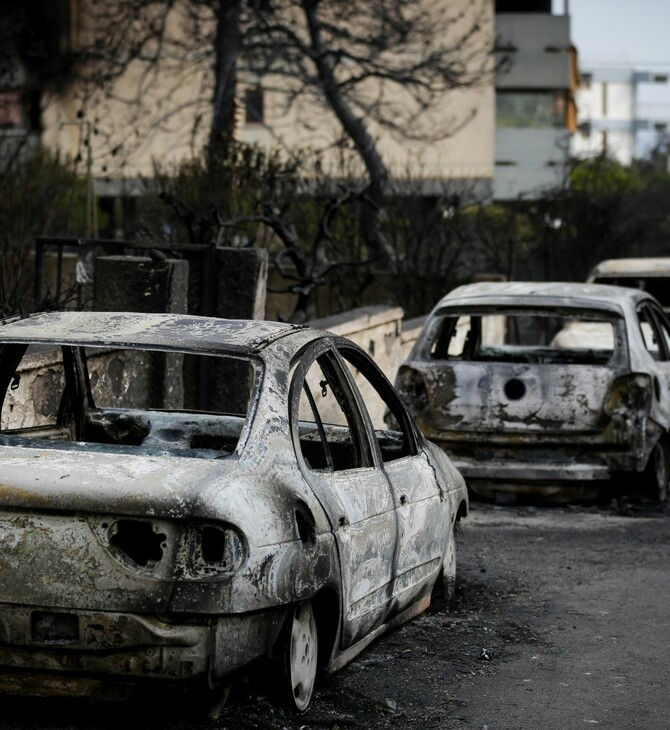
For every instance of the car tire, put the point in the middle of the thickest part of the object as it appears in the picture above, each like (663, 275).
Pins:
(297, 654)
(657, 472)
(445, 586)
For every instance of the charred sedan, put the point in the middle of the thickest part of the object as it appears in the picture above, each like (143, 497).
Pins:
(183, 495)
(546, 388)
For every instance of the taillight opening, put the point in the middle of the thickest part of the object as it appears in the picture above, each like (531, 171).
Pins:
(212, 549)
(412, 388)
(630, 392)
(139, 541)
(213, 545)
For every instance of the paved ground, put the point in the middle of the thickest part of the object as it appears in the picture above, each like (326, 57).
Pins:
(595, 591)
(560, 621)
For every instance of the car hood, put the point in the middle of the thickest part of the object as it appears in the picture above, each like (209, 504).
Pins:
(86, 480)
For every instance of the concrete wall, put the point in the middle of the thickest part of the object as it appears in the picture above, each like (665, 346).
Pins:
(36, 398)
(376, 329)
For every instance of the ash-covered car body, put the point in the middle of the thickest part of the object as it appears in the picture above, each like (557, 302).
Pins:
(548, 388)
(651, 274)
(174, 503)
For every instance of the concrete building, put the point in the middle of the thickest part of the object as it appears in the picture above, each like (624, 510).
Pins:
(610, 116)
(510, 139)
(464, 158)
(535, 106)
(119, 140)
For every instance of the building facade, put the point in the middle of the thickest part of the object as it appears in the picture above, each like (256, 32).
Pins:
(275, 116)
(535, 104)
(509, 137)
(610, 115)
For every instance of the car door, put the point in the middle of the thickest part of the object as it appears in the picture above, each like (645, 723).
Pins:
(423, 512)
(334, 453)
(656, 337)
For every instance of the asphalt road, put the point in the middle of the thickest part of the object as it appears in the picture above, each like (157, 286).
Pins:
(561, 620)
(595, 591)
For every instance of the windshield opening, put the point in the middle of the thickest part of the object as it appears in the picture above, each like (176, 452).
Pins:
(657, 286)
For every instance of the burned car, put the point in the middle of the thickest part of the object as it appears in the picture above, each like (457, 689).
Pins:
(181, 496)
(651, 274)
(546, 388)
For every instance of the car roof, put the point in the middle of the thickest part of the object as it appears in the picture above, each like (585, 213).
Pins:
(644, 266)
(161, 331)
(527, 293)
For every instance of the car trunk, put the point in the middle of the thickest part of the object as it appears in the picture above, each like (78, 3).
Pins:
(85, 529)
(512, 400)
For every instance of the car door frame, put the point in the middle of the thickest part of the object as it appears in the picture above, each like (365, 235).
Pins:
(366, 543)
(423, 530)
(660, 410)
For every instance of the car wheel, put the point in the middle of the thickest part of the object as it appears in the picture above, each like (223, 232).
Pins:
(298, 653)
(658, 472)
(445, 587)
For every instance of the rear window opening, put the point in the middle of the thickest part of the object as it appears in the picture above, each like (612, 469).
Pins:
(138, 401)
(538, 337)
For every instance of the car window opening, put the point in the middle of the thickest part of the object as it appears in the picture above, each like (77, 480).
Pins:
(538, 337)
(331, 432)
(133, 400)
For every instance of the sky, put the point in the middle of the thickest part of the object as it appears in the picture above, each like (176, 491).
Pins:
(629, 33)
(614, 32)
(625, 33)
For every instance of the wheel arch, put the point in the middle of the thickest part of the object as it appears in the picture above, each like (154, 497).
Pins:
(326, 605)
(462, 511)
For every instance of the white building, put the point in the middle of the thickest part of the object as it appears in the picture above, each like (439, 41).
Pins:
(611, 117)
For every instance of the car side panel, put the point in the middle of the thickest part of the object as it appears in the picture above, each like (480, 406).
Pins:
(361, 509)
(423, 524)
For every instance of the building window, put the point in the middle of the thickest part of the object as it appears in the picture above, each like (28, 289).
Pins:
(253, 106)
(523, 6)
(530, 109)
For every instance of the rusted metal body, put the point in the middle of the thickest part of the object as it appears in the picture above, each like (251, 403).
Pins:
(533, 385)
(140, 543)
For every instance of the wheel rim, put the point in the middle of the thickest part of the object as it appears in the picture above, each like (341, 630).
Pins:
(303, 655)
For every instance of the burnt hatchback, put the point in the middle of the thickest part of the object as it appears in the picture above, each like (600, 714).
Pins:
(546, 388)
(181, 496)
